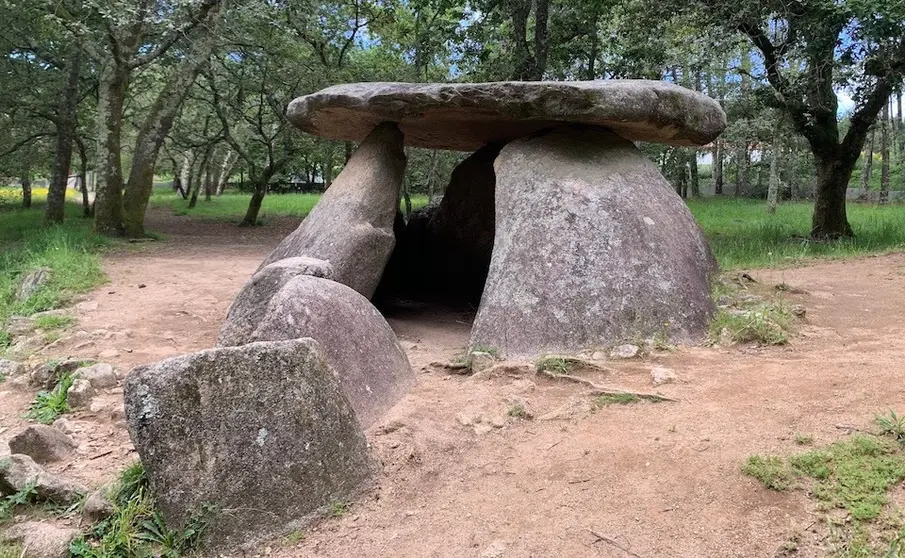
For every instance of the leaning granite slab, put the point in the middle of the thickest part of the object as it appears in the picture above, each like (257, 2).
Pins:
(357, 341)
(351, 227)
(256, 438)
(467, 116)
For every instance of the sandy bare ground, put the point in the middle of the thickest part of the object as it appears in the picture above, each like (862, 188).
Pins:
(461, 478)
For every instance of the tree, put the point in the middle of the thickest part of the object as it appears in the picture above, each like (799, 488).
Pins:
(121, 36)
(807, 50)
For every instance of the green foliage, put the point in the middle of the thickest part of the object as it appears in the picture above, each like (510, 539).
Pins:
(70, 251)
(771, 471)
(339, 509)
(853, 475)
(553, 364)
(804, 439)
(22, 497)
(617, 399)
(136, 529)
(768, 323)
(891, 424)
(53, 322)
(519, 411)
(10, 550)
(48, 405)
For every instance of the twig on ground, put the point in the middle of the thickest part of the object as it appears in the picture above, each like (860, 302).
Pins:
(603, 390)
(607, 539)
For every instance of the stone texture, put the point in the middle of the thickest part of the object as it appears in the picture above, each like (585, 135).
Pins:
(100, 375)
(17, 471)
(44, 444)
(592, 246)
(10, 368)
(624, 351)
(660, 376)
(262, 432)
(80, 393)
(467, 116)
(358, 343)
(97, 506)
(352, 225)
(250, 306)
(443, 254)
(41, 540)
(32, 282)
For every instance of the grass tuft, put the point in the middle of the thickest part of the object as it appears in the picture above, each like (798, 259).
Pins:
(554, 364)
(891, 424)
(616, 399)
(771, 470)
(136, 529)
(519, 411)
(48, 405)
(70, 250)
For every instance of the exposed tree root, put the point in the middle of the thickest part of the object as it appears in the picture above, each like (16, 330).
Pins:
(604, 390)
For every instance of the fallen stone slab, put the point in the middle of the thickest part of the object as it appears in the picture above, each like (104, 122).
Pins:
(44, 444)
(467, 116)
(358, 343)
(592, 246)
(32, 282)
(352, 225)
(261, 436)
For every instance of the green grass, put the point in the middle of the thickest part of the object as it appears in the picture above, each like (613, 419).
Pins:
(616, 399)
(48, 405)
(70, 250)
(10, 550)
(743, 235)
(9, 504)
(852, 475)
(53, 322)
(519, 411)
(771, 470)
(554, 364)
(767, 322)
(231, 206)
(136, 529)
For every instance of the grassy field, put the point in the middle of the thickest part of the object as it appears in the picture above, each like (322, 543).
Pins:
(71, 251)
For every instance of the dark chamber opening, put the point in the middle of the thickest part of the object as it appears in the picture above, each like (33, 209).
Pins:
(442, 253)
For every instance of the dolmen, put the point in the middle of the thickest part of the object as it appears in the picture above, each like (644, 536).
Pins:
(556, 226)
(565, 236)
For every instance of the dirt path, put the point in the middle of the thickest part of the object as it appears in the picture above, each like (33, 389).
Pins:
(461, 478)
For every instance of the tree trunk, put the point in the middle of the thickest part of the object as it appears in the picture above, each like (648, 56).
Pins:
(328, 171)
(541, 38)
(884, 155)
(108, 196)
(717, 167)
(867, 168)
(773, 187)
(198, 180)
(693, 176)
(254, 205)
(185, 174)
(67, 113)
(26, 189)
(225, 169)
(83, 177)
(834, 170)
(155, 128)
(591, 69)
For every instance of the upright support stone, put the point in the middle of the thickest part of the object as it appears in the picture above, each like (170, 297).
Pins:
(592, 246)
(352, 225)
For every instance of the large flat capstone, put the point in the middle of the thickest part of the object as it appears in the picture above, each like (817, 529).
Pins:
(467, 116)
(260, 436)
